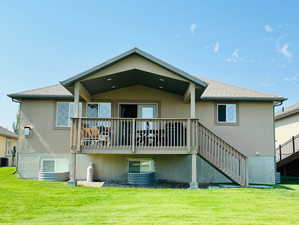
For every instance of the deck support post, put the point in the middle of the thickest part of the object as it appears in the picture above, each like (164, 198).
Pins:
(72, 181)
(192, 101)
(72, 165)
(194, 184)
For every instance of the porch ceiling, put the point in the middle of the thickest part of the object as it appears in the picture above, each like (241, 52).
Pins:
(138, 77)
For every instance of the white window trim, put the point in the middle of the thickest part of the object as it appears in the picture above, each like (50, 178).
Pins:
(225, 122)
(98, 103)
(70, 116)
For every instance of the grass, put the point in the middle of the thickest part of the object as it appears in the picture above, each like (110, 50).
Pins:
(41, 202)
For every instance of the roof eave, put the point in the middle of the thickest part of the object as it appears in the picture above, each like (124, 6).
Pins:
(259, 99)
(9, 136)
(20, 96)
(286, 114)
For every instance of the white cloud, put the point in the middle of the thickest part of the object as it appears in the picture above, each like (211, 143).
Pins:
(294, 78)
(193, 27)
(268, 28)
(235, 57)
(284, 50)
(216, 47)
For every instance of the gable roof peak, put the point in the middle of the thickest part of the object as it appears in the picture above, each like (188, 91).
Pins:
(71, 80)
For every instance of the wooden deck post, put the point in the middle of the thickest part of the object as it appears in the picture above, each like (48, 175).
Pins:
(194, 184)
(192, 101)
(246, 183)
(72, 165)
(189, 135)
(280, 158)
(293, 141)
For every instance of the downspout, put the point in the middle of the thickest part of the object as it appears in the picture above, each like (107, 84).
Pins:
(17, 153)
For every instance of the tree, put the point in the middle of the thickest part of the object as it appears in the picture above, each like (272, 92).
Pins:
(16, 125)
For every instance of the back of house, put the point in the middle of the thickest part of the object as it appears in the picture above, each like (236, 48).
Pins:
(137, 119)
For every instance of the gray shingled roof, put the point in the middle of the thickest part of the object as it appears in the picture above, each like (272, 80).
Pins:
(215, 91)
(289, 111)
(7, 133)
(49, 92)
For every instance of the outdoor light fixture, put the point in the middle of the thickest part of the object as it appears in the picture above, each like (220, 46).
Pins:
(161, 87)
(27, 131)
(108, 79)
(161, 79)
(113, 86)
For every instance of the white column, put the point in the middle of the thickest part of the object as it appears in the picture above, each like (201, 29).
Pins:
(72, 164)
(194, 184)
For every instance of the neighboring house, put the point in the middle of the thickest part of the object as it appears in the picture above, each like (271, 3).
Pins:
(286, 124)
(8, 142)
(137, 114)
(287, 140)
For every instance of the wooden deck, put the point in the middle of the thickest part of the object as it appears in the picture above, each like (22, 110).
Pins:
(138, 136)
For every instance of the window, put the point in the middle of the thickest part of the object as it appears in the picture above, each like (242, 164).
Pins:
(48, 166)
(226, 113)
(99, 110)
(64, 112)
(54, 165)
(141, 165)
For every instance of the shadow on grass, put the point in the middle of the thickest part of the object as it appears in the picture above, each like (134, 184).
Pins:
(280, 186)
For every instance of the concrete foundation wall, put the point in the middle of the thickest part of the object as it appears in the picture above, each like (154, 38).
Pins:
(175, 168)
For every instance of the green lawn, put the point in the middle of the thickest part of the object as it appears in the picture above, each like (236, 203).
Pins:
(40, 202)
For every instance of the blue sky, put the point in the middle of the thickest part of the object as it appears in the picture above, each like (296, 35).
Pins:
(253, 44)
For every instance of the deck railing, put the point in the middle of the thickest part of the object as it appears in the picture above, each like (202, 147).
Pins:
(222, 156)
(288, 148)
(126, 134)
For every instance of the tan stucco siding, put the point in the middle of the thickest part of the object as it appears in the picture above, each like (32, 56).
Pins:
(169, 105)
(46, 138)
(135, 62)
(253, 134)
(286, 128)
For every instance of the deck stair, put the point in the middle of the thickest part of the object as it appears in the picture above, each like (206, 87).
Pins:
(222, 155)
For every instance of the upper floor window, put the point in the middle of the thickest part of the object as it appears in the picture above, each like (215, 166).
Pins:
(99, 110)
(226, 113)
(64, 112)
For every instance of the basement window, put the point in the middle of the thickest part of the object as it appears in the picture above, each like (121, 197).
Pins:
(226, 113)
(54, 165)
(141, 166)
(48, 165)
